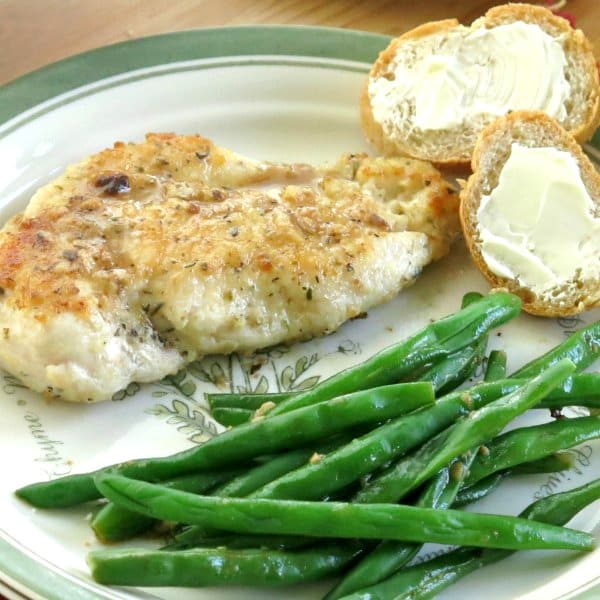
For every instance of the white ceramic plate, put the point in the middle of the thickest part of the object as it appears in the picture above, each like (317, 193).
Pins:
(271, 93)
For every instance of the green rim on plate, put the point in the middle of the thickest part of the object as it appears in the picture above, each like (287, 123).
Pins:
(63, 76)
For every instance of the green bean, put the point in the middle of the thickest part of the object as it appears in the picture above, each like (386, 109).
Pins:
(218, 566)
(247, 482)
(192, 537)
(424, 580)
(231, 417)
(397, 361)
(559, 509)
(452, 371)
(366, 453)
(112, 523)
(531, 443)
(496, 366)
(494, 371)
(582, 348)
(390, 556)
(582, 389)
(374, 449)
(560, 461)
(553, 463)
(480, 426)
(470, 298)
(338, 519)
(261, 475)
(449, 369)
(75, 489)
(479, 490)
(458, 470)
(445, 375)
(256, 478)
(246, 441)
(428, 579)
(245, 401)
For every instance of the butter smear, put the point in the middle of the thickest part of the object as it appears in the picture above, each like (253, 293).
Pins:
(455, 77)
(538, 225)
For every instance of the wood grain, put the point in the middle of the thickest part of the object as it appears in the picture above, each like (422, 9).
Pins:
(34, 33)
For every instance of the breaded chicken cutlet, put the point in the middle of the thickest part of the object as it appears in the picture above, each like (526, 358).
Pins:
(148, 255)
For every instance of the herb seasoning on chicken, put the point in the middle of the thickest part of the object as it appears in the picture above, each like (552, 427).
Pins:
(149, 255)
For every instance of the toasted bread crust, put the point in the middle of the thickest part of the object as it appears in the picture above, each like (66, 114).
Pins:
(575, 45)
(371, 128)
(491, 152)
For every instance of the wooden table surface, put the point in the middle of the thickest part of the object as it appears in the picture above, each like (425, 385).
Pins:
(34, 33)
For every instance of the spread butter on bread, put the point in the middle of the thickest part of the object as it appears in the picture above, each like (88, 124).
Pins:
(434, 89)
(530, 214)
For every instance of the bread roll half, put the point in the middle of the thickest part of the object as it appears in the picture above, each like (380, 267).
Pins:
(530, 214)
(435, 88)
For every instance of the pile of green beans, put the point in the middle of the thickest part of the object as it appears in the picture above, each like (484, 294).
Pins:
(308, 487)
(427, 579)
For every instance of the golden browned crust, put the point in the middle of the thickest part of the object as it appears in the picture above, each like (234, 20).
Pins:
(576, 44)
(535, 129)
(128, 213)
(65, 235)
(147, 255)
